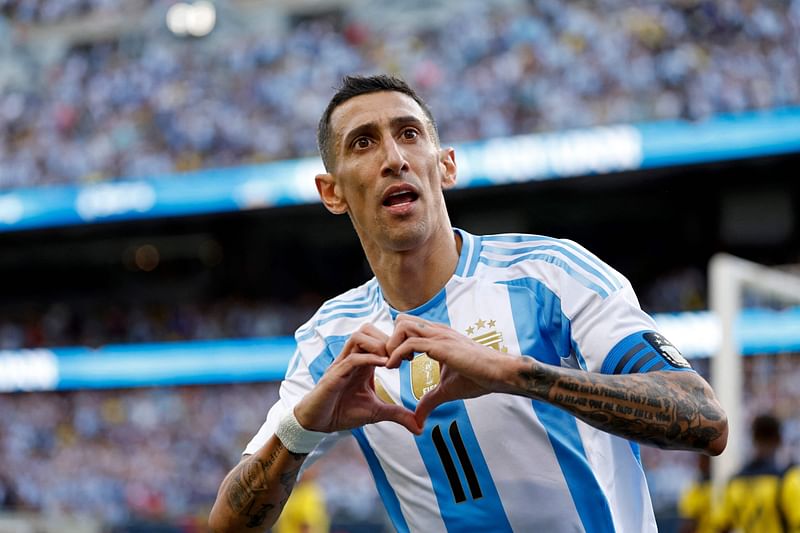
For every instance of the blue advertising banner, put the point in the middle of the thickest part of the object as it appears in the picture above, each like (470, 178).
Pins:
(523, 158)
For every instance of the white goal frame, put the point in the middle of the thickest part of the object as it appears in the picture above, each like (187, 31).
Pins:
(727, 277)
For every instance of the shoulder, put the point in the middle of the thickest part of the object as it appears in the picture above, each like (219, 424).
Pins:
(554, 262)
(334, 316)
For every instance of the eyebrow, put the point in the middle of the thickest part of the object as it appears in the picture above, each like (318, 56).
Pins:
(371, 126)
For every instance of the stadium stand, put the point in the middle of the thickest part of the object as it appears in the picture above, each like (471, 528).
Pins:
(89, 96)
(130, 105)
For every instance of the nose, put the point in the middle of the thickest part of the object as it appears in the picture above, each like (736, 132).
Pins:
(394, 162)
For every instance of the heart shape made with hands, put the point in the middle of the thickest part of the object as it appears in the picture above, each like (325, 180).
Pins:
(445, 365)
(348, 395)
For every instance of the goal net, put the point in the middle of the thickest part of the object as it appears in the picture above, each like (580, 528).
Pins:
(742, 293)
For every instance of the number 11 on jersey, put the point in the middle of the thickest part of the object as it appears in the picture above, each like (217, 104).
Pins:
(449, 465)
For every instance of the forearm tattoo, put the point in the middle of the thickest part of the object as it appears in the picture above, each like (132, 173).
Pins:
(250, 481)
(669, 412)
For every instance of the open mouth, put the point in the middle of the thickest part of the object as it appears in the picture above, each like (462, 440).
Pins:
(400, 198)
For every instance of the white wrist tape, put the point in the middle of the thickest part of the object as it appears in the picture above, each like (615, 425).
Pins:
(295, 437)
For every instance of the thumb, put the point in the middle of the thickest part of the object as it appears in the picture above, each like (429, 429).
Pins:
(399, 415)
(429, 402)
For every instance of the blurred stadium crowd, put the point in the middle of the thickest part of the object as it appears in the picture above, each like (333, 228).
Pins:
(68, 324)
(49, 11)
(148, 454)
(134, 450)
(148, 104)
(95, 323)
(151, 104)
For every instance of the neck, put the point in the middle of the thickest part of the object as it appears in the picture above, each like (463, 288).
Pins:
(410, 278)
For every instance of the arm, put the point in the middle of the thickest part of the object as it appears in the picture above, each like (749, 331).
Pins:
(675, 410)
(254, 492)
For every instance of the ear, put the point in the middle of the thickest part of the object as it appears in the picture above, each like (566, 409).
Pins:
(330, 194)
(447, 158)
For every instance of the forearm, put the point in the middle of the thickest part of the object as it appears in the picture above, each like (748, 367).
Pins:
(675, 410)
(253, 494)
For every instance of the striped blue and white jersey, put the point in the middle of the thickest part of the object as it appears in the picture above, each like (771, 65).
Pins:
(500, 462)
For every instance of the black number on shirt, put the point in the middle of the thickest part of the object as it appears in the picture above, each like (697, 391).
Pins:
(449, 465)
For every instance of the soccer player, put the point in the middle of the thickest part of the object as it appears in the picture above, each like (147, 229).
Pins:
(752, 499)
(493, 383)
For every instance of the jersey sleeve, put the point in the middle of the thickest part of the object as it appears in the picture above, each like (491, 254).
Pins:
(297, 383)
(609, 332)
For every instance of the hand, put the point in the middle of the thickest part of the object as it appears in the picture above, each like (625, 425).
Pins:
(467, 369)
(344, 398)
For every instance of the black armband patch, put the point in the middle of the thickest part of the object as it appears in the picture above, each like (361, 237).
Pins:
(645, 351)
(664, 348)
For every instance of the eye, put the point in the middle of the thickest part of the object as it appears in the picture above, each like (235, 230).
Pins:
(362, 142)
(410, 134)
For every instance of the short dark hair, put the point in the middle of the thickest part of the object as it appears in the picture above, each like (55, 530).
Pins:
(353, 86)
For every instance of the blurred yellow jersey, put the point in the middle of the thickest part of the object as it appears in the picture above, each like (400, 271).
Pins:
(750, 503)
(695, 505)
(304, 512)
(790, 499)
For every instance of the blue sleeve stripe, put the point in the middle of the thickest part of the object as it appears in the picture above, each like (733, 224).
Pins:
(656, 364)
(608, 282)
(622, 358)
(321, 362)
(634, 354)
(538, 238)
(309, 333)
(641, 360)
(624, 368)
(293, 364)
(355, 303)
(548, 258)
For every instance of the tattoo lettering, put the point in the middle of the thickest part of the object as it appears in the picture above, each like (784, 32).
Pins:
(670, 412)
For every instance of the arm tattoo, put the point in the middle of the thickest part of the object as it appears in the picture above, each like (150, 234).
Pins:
(669, 411)
(250, 479)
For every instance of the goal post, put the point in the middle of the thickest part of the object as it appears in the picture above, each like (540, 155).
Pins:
(729, 277)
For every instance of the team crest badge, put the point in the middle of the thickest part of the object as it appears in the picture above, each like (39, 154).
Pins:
(425, 371)
(424, 375)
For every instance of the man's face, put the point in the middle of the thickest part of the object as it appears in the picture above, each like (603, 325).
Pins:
(389, 171)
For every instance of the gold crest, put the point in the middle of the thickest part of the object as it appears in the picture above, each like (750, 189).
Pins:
(424, 375)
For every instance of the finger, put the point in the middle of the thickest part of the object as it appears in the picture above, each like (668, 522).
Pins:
(429, 402)
(408, 326)
(406, 350)
(367, 339)
(357, 360)
(400, 415)
(373, 331)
